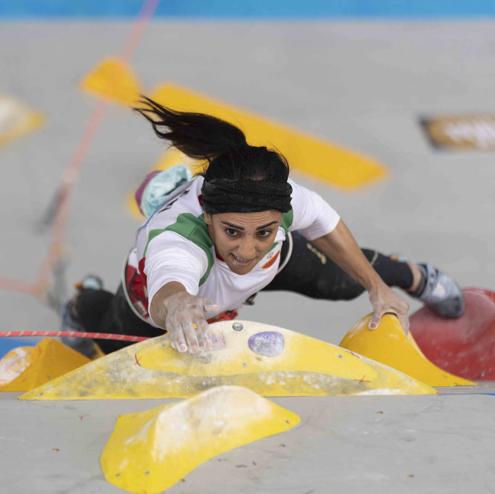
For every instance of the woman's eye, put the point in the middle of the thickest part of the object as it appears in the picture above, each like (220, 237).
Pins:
(231, 232)
(264, 233)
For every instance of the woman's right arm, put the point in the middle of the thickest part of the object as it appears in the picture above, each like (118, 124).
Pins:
(184, 316)
(174, 267)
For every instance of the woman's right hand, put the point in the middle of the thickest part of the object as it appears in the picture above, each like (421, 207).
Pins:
(186, 322)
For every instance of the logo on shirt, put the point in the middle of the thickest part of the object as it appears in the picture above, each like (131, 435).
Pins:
(271, 260)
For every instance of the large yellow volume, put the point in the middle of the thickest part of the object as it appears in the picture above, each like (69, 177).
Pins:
(305, 153)
(266, 359)
(149, 452)
(388, 344)
(26, 368)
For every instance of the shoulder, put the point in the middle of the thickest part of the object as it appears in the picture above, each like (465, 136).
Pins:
(310, 212)
(187, 201)
(192, 228)
(188, 228)
(299, 192)
(183, 216)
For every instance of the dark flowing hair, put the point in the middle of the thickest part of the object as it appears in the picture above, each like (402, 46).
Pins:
(216, 141)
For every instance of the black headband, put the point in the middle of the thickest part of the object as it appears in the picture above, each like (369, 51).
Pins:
(228, 196)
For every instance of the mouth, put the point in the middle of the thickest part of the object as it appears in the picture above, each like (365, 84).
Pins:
(241, 261)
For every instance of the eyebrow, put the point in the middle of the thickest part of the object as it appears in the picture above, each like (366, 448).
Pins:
(237, 227)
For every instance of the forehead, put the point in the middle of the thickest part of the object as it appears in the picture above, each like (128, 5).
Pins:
(249, 220)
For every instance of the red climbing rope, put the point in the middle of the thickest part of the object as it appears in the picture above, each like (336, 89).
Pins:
(74, 334)
(58, 211)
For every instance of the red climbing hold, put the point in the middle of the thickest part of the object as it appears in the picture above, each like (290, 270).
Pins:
(464, 346)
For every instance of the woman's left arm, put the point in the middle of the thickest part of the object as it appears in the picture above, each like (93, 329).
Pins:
(340, 246)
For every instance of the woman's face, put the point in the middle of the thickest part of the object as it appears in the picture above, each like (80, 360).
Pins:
(242, 239)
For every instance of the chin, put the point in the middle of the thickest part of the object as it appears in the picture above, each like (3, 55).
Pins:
(241, 269)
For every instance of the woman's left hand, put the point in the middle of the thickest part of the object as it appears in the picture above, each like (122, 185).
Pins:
(385, 301)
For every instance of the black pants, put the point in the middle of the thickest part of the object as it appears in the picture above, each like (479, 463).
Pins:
(110, 313)
(308, 272)
(311, 273)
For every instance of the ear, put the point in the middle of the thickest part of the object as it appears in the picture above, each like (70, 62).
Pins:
(208, 219)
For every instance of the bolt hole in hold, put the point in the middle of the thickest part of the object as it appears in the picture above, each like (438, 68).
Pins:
(267, 343)
(237, 326)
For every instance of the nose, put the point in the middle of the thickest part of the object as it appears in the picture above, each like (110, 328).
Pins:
(247, 249)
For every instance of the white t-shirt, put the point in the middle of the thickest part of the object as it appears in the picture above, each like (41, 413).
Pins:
(174, 245)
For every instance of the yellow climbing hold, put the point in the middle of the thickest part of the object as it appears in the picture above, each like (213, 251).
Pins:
(15, 362)
(313, 156)
(113, 80)
(16, 119)
(388, 344)
(25, 368)
(266, 359)
(150, 451)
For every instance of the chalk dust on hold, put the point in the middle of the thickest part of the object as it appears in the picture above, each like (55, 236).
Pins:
(263, 343)
(12, 115)
(208, 416)
(15, 363)
(15, 117)
(267, 343)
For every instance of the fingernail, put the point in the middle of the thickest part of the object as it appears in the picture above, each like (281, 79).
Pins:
(182, 348)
